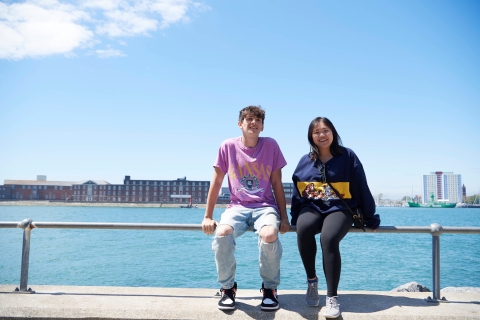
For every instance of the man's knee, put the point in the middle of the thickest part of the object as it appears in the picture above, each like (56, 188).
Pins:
(223, 230)
(269, 234)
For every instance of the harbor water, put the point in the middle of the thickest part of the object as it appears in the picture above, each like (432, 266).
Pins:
(146, 258)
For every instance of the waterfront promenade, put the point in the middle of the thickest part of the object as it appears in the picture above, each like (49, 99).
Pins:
(67, 302)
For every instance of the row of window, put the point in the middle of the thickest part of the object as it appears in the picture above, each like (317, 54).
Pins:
(46, 197)
(84, 187)
(199, 194)
(43, 187)
(133, 199)
(175, 183)
(76, 187)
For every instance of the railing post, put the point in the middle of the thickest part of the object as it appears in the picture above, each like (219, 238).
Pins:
(27, 226)
(436, 231)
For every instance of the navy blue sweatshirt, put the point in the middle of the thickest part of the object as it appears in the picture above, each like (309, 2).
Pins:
(345, 173)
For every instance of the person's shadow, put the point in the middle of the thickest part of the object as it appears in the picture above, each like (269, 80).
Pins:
(360, 303)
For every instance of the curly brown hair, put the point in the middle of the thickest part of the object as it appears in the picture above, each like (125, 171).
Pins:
(256, 111)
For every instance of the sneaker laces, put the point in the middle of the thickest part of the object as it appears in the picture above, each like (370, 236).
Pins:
(332, 303)
(267, 292)
(311, 287)
(268, 295)
(229, 292)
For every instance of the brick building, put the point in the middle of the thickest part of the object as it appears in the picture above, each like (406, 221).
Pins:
(5, 193)
(160, 191)
(39, 189)
(163, 190)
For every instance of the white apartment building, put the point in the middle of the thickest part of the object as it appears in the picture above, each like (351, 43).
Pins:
(445, 186)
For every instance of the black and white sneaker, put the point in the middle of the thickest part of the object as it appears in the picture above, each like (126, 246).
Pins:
(270, 299)
(227, 301)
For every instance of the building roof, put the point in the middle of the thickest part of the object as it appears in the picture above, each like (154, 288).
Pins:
(53, 183)
(101, 182)
(38, 183)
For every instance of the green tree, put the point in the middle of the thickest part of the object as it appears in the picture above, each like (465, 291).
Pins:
(473, 199)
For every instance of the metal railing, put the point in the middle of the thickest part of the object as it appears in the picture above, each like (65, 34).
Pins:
(27, 225)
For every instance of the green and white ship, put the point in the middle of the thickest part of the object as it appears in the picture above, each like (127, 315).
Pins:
(432, 204)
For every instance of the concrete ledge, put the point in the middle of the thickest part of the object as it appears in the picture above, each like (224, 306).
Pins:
(64, 302)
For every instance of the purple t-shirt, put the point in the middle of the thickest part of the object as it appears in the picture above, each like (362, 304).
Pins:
(249, 171)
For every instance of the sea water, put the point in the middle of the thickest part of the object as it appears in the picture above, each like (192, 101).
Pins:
(149, 258)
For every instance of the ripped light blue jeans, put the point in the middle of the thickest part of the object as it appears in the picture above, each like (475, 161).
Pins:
(240, 219)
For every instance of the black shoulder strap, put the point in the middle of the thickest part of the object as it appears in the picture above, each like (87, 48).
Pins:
(354, 216)
(340, 197)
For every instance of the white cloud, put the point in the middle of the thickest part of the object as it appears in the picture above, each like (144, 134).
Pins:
(126, 23)
(109, 53)
(171, 11)
(40, 28)
(37, 28)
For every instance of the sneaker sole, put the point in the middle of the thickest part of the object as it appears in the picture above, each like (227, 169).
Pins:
(331, 316)
(226, 308)
(313, 305)
(270, 308)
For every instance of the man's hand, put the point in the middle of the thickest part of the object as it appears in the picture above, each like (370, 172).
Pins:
(209, 225)
(284, 225)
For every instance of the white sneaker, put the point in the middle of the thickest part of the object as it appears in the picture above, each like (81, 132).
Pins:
(332, 308)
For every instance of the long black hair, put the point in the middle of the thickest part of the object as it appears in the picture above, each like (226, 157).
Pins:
(335, 147)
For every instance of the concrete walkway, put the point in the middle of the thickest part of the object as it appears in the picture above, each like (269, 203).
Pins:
(64, 302)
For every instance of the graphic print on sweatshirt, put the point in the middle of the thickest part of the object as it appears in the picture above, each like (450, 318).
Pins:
(322, 191)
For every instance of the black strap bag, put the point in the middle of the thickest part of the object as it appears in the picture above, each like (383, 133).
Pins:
(358, 219)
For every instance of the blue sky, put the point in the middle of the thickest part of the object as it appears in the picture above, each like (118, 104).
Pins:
(101, 89)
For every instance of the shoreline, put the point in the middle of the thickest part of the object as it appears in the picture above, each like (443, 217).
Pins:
(58, 203)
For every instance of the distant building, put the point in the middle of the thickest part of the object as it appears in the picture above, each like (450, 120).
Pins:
(5, 193)
(103, 191)
(417, 199)
(445, 186)
(288, 188)
(225, 190)
(224, 196)
(161, 191)
(39, 189)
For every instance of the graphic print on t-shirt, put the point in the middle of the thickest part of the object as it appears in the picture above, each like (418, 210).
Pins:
(250, 184)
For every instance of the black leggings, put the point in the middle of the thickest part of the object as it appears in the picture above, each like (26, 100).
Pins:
(332, 228)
